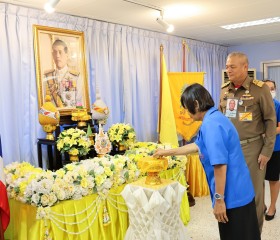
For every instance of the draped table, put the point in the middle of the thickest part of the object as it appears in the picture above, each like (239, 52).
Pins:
(154, 210)
(81, 219)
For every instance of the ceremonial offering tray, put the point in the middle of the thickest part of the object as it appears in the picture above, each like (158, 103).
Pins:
(153, 166)
(81, 116)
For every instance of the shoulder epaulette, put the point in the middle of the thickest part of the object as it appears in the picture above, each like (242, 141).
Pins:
(74, 72)
(258, 83)
(225, 84)
(49, 71)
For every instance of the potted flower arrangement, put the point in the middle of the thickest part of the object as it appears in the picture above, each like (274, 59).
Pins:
(75, 142)
(122, 134)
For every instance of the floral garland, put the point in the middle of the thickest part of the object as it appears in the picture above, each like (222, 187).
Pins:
(45, 188)
(42, 188)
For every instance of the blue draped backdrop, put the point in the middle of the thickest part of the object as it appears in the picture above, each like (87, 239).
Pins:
(122, 61)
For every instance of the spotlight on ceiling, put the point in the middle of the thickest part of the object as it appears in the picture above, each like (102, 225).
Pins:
(50, 5)
(168, 27)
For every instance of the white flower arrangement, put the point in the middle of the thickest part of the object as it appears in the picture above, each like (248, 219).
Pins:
(42, 188)
(45, 188)
(121, 133)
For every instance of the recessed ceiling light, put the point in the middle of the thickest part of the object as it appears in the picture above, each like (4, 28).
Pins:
(252, 23)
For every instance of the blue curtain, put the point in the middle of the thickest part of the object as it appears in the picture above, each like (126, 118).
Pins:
(123, 64)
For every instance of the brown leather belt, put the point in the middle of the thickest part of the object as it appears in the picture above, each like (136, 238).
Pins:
(249, 140)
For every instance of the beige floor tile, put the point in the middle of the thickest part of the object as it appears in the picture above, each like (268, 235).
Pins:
(203, 224)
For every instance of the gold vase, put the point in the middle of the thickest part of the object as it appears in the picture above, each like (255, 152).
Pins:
(91, 138)
(153, 178)
(152, 166)
(74, 158)
(121, 147)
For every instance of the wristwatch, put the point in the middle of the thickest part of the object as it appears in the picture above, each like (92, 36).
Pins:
(218, 196)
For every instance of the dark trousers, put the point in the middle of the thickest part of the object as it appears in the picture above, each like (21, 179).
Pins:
(242, 224)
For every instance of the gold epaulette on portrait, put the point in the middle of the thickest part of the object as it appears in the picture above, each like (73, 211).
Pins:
(49, 71)
(225, 84)
(74, 72)
(258, 83)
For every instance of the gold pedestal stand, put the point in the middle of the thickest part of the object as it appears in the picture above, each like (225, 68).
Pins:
(49, 129)
(80, 115)
(153, 166)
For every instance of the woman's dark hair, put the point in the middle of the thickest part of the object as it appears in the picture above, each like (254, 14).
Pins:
(193, 93)
(272, 81)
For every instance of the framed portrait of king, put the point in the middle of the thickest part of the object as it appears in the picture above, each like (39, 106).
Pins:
(61, 68)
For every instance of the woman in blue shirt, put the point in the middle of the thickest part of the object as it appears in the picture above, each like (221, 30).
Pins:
(228, 176)
(273, 165)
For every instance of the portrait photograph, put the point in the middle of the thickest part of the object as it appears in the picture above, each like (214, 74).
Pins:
(231, 109)
(61, 68)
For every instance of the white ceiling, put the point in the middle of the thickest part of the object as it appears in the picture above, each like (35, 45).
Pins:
(204, 26)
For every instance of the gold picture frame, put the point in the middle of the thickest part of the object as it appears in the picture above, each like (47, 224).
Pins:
(61, 68)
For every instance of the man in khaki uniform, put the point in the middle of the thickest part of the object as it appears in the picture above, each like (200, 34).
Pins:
(254, 120)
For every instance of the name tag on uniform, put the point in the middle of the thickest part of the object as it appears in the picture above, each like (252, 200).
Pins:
(231, 108)
(245, 116)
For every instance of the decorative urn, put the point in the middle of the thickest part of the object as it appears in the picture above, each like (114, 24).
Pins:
(49, 117)
(152, 166)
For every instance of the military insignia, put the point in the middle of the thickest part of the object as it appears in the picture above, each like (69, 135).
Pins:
(258, 83)
(225, 84)
(246, 96)
(74, 72)
(225, 95)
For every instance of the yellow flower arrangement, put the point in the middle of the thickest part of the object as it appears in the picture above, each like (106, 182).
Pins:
(121, 133)
(74, 141)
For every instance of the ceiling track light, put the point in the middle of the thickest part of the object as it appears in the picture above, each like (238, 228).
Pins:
(168, 27)
(50, 5)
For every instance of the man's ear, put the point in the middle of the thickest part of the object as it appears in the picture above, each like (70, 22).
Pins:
(196, 106)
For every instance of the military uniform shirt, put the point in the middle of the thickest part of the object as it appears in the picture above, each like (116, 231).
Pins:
(260, 104)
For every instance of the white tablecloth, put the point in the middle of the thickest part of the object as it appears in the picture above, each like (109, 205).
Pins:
(154, 211)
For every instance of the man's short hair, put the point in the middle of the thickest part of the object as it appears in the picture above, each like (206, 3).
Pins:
(59, 42)
(240, 55)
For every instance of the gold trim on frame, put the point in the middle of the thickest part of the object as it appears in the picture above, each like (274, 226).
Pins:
(44, 37)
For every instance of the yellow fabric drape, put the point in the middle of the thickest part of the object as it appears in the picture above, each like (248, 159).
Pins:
(178, 81)
(196, 177)
(23, 224)
(167, 131)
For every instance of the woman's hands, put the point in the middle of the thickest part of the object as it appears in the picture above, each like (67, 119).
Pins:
(220, 211)
(160, 152)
